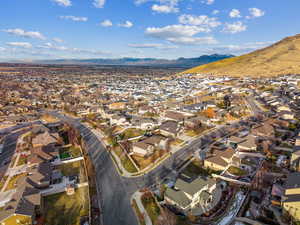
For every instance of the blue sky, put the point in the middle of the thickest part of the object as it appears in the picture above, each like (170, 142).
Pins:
(42, 29)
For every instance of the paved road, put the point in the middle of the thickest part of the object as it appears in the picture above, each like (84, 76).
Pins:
(115, 190)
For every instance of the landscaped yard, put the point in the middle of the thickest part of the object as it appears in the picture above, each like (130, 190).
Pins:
(13, 180)
(132, 132)
(151, 207)
(2, 182)
(127, 164)
(195, 169)
(63, 209)
(69, 152)
(144, 162)
(22, 160)
(236, 171)
(138, 213)
(73, 169)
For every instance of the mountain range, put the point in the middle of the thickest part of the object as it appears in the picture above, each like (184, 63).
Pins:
(280, 58)
(180, 62)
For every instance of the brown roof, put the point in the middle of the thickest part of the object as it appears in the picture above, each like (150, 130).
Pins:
(170, 126)
(174, 115)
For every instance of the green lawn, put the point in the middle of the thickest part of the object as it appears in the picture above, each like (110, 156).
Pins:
(132, 132)
(70, 152)
(2, 182)
(236, 171)
(13, 180)
(128, 165)
(22, 160)
(138, 213)
(61, 209)
(72, 169)
(126, 162)
(151, 207)
(195, 169)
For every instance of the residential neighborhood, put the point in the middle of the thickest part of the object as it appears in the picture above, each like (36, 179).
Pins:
(159, 147)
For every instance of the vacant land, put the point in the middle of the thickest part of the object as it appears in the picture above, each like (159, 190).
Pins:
(62, 209)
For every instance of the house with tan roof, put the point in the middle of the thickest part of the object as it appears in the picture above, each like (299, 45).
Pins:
(220, 160)
(147, 146)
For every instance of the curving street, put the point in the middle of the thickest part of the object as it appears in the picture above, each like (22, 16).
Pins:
(114, 190)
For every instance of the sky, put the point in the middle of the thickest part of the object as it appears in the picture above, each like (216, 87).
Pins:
(55, 29)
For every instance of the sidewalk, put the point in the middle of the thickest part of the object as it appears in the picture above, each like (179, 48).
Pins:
(137, 197)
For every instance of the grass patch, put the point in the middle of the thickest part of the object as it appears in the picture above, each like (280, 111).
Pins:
(126, 162)
(22, 160)
(128, 165)
(138, 213)
(73, 169)
(195, 169)
(2, 182)
(69, 152)
(151, 206)
(236, 171)
(13, 181)
(63, 209)
(131, 133)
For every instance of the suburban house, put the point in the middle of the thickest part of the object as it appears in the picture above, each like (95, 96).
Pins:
(146, 147)
(199, 195)
(117, 120)
(219, 160)
(291, 198)
(249, 144)
(170, 128)
(44, 138)
(175, 116)
(24, 205)
(264, 130)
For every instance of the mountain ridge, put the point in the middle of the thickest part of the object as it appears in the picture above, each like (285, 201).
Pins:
(180, 62)
(280, 58)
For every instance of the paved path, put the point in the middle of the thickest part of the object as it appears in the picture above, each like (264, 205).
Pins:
(137, 197)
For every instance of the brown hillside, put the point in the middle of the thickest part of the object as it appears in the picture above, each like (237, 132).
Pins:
(280, 58)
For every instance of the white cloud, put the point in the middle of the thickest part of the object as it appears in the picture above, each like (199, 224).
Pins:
(27, 34)
(99, 3)
(215, 12)
(203, 21)
(163, 2)
(255, 12)
(58, 40)
(235, 27)
(153, 45)
(193, 40)
(235, 13)
(209, 2)
(174, 31)
(74, 18)
(65, 3)
(180, 34)
(20, 44)
(106, 23)
(127, 24)
(164, 8)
